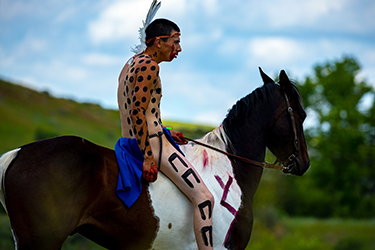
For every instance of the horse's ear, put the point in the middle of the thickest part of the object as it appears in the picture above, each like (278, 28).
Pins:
(266, 79)
(284, 82)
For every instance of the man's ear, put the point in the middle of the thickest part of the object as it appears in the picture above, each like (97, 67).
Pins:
(158, 42)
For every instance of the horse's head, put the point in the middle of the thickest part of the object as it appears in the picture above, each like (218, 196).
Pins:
(285, 137)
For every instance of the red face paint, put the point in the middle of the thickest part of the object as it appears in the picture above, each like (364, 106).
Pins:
(172, 55)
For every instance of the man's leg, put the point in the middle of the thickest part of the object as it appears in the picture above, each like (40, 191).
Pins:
(180, 171)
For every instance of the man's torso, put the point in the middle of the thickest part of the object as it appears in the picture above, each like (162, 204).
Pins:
(141, 69)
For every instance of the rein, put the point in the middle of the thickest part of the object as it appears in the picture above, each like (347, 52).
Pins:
(285, 168)
(243, 159)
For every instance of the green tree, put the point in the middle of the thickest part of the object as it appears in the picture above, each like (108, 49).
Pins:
(341, 142)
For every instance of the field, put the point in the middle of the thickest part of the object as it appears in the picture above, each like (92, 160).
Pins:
(27, 115)
(314, 234)
(286, 234)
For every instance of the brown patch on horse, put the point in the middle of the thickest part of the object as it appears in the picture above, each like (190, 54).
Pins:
(73, 190)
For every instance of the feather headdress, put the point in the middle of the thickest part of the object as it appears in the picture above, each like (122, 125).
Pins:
(155, 5)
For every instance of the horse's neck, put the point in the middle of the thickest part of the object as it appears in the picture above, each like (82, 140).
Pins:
(205, 157)
(247, 140)
(246, 179)
(246, 175)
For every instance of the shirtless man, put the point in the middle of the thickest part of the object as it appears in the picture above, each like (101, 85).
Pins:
(139, 94)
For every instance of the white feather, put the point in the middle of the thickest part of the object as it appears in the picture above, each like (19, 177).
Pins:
(155, 5)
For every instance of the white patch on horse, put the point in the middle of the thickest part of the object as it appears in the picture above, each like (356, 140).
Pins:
(174, 209)
(5, 161)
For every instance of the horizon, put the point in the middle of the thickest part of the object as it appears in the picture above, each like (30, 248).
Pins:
(76, 49)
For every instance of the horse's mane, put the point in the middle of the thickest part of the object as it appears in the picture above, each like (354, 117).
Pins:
(239, 111)
(245, 105)
(218, 137)
(259, 96)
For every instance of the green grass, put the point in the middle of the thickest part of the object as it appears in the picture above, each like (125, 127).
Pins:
(27, 115)
(286, 234)
(310, 234)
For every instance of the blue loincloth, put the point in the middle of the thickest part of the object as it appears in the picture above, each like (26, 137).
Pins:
(130, 161)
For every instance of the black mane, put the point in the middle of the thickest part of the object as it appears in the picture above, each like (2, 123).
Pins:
(237, 121)
(245, 105)
(259, 96)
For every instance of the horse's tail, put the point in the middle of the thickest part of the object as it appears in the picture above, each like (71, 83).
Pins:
(5, 161)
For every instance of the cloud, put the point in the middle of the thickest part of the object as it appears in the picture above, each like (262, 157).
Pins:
(10, 9)
(275, 50)
(118, 21)
(22, 51)
(291, 13)
(285, 16)
(62, 44)
(13, 9)
(99, 59)
(62, 71)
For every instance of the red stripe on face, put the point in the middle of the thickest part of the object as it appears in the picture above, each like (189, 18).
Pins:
(172, 55)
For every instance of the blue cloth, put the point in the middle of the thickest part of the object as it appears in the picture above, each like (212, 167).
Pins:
(130, 161)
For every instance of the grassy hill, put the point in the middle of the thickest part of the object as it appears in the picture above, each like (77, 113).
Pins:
(27, 115)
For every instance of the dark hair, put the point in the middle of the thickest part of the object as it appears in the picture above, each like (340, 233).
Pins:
(160, 27)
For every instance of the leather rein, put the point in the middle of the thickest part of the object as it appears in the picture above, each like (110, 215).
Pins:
(284, 167)
(243, 159)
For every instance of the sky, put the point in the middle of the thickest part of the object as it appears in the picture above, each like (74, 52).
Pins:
(76, 48)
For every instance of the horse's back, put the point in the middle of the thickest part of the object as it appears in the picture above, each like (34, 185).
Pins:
(48, 186)
(63, 185)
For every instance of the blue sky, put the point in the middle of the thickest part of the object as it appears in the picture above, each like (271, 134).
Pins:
(76, 48)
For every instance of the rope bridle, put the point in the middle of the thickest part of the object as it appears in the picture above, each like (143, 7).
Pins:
(282, 166)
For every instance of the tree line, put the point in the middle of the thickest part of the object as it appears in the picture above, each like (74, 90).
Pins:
(341, 143)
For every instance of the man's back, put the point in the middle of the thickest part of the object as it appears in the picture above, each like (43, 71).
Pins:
(139, 90)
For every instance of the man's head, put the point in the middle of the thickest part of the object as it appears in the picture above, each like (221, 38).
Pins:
(159, 28)
(165, 36)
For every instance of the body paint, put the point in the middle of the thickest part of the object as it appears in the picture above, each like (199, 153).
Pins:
(172, 55)
(206, 239)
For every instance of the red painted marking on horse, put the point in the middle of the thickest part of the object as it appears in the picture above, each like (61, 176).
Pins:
(223, 202)
(221, 183)
(205, 158)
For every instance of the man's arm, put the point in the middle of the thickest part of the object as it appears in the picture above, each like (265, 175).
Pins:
(141, 99)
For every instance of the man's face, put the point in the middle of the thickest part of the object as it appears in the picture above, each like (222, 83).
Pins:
(171, 47)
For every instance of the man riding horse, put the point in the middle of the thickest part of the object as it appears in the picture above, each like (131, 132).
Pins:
(139, 95)
(60, 186)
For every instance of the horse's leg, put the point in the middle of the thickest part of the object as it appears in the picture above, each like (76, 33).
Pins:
(47, 190)
(113, 225)
(34, 223)
(125, 228)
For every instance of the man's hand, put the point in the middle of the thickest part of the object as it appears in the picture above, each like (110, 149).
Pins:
(150, 170)
(178, 137)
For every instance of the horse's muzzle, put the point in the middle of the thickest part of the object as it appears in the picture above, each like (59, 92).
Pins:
(295, 166)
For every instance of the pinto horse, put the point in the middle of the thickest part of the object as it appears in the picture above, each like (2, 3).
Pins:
(61, 186)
